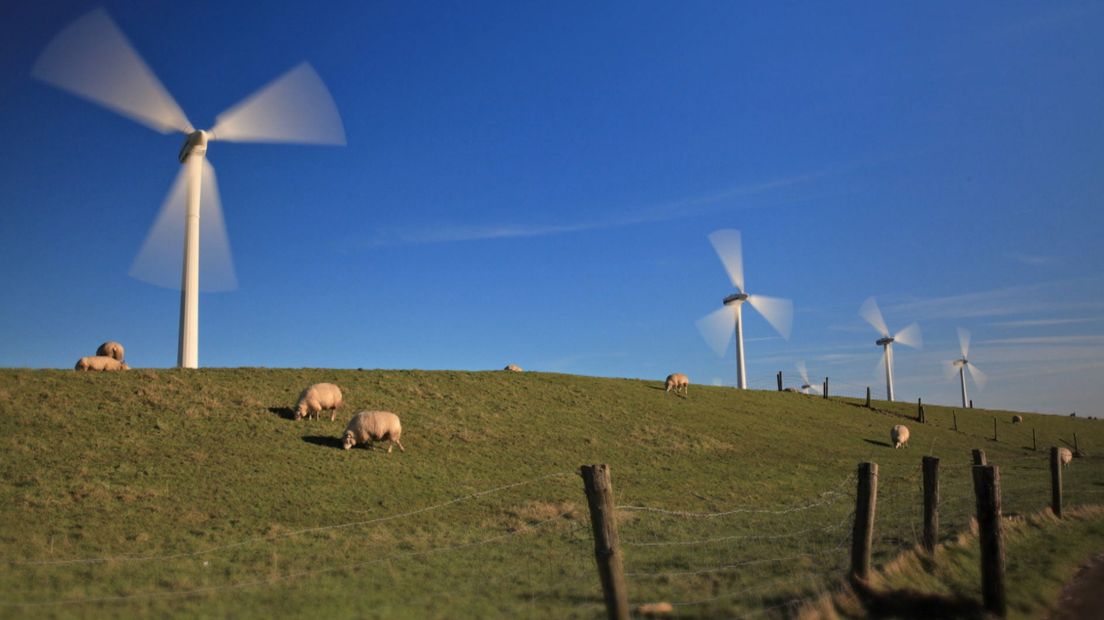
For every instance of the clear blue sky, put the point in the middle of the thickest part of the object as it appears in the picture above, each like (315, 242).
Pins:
(535, 184)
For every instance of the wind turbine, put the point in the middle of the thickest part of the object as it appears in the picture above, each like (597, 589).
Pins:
(806, 387)
(963, 364)
(716, 327)
(909, 336)
(91, 58)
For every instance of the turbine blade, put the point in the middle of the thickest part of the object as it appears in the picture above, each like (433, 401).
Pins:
(160, 260)
(869, 311)
(979, 377)
(964, 343)
(92, 58)
(729, 248)
(950, 370)
(813, 388)
(880, 369)
(778, 312)
(804, 372)
(295, 107)
(910, 336)
(718, 328)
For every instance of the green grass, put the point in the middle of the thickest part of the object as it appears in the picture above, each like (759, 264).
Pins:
(205, 500)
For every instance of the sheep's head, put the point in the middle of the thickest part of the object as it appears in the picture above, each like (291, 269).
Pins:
(349, 441)
(300, 411)
(125, 367)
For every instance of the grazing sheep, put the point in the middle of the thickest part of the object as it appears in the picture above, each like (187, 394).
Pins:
(899, 436)
(111, 349)
(369, 426)
(678, 381)
(317, 398)
(792, 390)
(512, 368)
(100, 362)
(652, 610)
(1016, 419)
(1064, 456)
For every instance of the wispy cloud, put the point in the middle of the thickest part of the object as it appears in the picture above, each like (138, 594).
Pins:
(1091, 339)
(1047, 322)
(1010, 301)
(674, 210)
(1035, 260)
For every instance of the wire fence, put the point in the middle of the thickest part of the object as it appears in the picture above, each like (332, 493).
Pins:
(744, 560)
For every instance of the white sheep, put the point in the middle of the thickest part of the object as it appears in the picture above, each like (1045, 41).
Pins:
(678, 381)
(1064, 456)
(317, 398)
(111, 349)
(899, 436)
(369, 426)
(513, 368)
(100, 362)
(1016, 419)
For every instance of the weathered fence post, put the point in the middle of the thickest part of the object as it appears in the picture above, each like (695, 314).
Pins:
(1034, 443)
(779, 377)
(825, 387)
(954, 416)
(991, 538)
(607, 544)
(979, 457)
(1076, 450)
(868, 397)
(971, 403)
(994, 429)
(1055, 483)
(862, 535)
(931, 502)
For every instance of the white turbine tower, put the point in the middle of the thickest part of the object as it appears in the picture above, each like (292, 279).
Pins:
(963, 364)
(909, 336)
(806, 387)
(716, 327)
(92, 58)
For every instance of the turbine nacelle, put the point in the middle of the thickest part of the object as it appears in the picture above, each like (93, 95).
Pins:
(196, 142)
(881, 342)
(735, 298)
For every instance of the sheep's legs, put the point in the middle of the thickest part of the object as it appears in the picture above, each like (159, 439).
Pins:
(394, 442)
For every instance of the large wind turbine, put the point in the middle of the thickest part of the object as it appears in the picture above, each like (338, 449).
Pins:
(92, 58)
(806, 386)
(963, 364)
(909, 336)
(716, 327)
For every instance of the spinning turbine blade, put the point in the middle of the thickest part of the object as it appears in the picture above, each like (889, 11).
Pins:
(804, 372)
(296, 107)
(92, 59)
(869, 311)
(950, 370)
(777, 312)
(727, 244)
(717, 328)
(162, 253)
(910, 336)
(978, 376)
(964, 342)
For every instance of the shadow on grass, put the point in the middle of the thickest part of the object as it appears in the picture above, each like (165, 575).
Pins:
(326, 441)
(914, 604)
(286, 413)
(879, 443)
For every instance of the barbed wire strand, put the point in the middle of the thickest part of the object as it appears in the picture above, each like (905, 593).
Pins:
(828, 497)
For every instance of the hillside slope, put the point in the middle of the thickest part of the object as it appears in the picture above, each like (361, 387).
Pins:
(193, 493)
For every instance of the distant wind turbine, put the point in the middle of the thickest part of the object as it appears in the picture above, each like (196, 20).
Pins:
(909, 336)
(91, 58)
(717, 327)
(806, 387)
(963, 364)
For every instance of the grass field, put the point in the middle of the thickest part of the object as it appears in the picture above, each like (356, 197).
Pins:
(192, 493)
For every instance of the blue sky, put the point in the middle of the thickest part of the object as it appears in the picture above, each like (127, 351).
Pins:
(535, 184)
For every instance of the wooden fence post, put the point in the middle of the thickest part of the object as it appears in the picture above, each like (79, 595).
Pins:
(954, 416)
(825, 387)
(1076, 450)
(931, 502)
(991, 538)
(979, 457)
(862, 535)
(607, 544)
(1034, 443)
(994, 429)
(779, 377)
(971, 403)
(1055, 483)
(868, 397)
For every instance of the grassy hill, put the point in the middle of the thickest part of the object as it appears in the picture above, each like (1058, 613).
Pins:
(149, 493)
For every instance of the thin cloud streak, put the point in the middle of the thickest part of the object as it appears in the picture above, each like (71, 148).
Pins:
(676, 210)
(1047, 322)
(996, 302)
